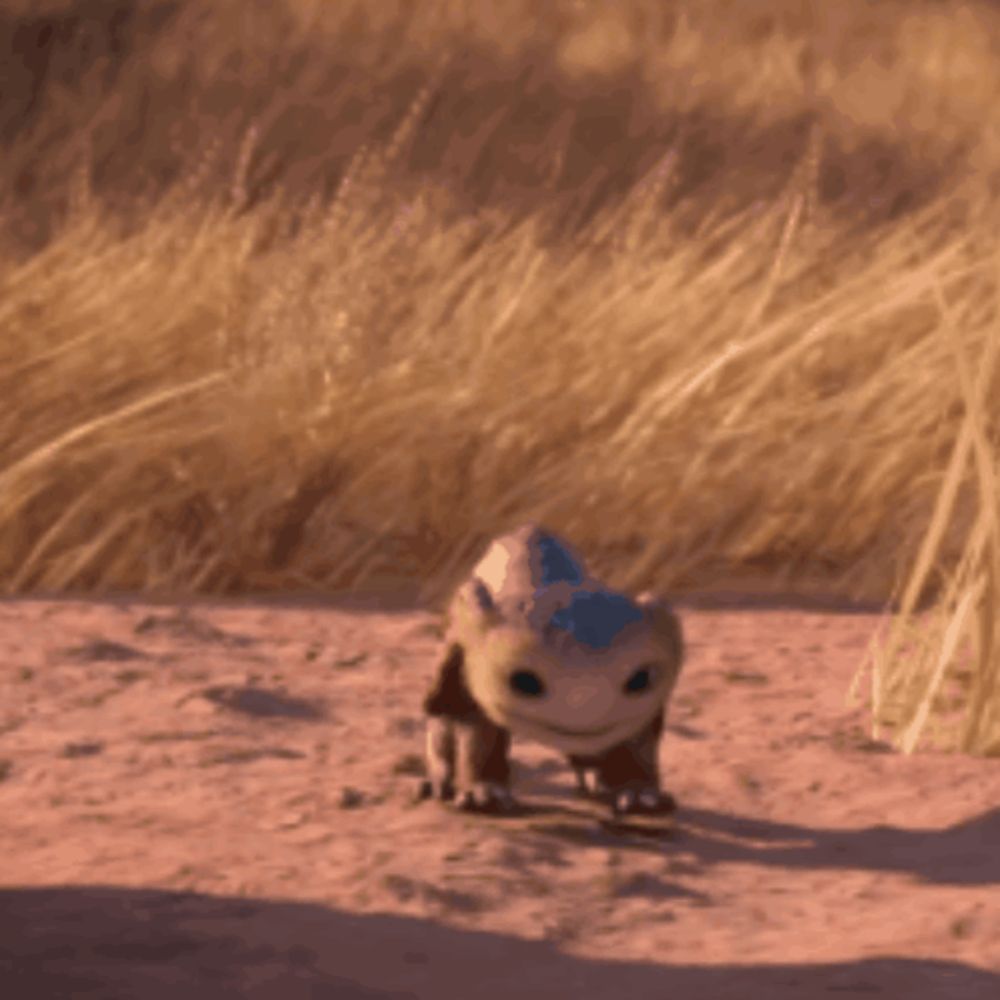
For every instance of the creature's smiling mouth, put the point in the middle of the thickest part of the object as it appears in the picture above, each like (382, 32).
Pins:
(561, 730)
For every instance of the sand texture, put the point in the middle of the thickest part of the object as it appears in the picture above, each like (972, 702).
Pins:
(216, 801)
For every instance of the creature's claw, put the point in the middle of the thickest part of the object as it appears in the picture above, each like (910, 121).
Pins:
(590, 786)
(649, 801)
(486, 797)
(441, 789)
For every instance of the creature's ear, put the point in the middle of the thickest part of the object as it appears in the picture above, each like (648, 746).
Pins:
(476, 605)
(483, 598)
(664, 622)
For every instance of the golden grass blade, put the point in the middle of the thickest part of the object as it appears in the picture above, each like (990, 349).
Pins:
(911, 733)
(46, 453)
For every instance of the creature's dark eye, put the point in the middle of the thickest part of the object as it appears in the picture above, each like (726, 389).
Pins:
(527, 682)
(641, 679)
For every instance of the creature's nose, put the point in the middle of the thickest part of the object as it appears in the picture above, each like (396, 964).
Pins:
(582, 695)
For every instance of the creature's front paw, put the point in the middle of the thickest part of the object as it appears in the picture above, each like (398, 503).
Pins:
(442, 789)
(486, 797)
(648, 801)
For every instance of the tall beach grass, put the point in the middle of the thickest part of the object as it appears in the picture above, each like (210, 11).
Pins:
(318, 296)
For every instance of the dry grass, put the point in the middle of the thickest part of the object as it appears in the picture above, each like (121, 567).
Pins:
(319, 295)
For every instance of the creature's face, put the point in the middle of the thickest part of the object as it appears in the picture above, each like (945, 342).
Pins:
(571, 664)
(581, 703)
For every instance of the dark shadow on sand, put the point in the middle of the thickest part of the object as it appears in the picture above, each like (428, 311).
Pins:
(122, 944)
(961, 854)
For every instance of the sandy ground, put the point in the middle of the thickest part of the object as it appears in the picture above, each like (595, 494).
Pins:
(217, 801)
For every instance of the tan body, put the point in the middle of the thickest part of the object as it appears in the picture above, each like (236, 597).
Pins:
(535, 647)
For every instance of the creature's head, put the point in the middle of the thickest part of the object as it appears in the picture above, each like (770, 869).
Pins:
(550, 653)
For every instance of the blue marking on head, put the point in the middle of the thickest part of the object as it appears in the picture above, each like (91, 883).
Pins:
(558, 566)
(594, 618)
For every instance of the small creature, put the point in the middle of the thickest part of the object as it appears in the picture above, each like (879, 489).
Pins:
(536, 647)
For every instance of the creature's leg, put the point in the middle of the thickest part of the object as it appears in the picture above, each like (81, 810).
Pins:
(465, 752)
(483, 766)
(627, 774)
(587, 783)
(440, 759)
(580, 773)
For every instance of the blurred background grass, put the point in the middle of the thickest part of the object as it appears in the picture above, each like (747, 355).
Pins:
(311, 296)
